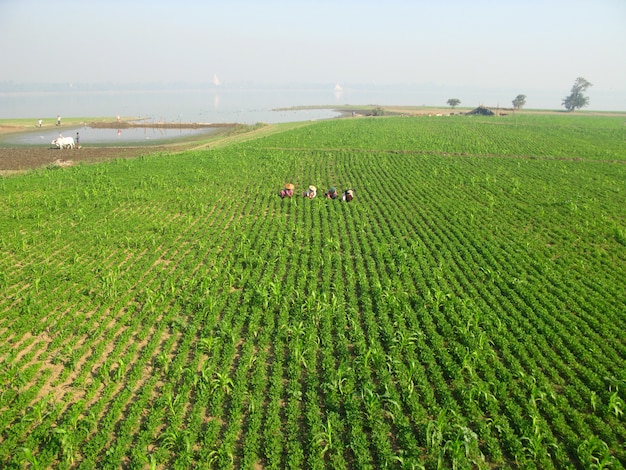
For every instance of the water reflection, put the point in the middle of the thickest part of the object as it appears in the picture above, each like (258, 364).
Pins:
(338, 92)
(223, 105)
(88, 135)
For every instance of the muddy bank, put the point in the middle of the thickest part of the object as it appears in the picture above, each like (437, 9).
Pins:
(19, 160)
(157, 125)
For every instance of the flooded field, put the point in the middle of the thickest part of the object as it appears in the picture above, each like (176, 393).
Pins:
(89, 135)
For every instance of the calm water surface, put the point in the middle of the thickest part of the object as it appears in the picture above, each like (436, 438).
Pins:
(89, 135)
(244, 106)
(252, 105)
(206, 106)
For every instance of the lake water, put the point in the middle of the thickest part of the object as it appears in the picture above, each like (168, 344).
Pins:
(249, 105)
(245, 106)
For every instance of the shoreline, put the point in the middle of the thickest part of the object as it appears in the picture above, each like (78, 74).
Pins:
(17, 125)
(157, 125)
(417, 110)
(15, 160)
(13, 126)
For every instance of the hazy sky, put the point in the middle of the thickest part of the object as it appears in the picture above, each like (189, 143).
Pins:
(519, 44)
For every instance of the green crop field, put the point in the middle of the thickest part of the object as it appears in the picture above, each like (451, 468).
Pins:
(466, 310)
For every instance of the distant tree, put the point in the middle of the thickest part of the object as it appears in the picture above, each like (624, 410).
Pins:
(577, 99)
(454, 102)
(519, 102)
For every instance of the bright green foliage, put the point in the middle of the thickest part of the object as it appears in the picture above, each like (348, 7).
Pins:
(466, 310)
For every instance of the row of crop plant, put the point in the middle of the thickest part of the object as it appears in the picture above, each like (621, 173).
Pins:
(540, 435)
(550, 137)
(118, 360)
(459, 312)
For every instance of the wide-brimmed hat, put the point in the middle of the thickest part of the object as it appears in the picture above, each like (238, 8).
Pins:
(289, 186)
(312, 188)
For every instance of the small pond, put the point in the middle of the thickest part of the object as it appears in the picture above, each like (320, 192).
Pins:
(91, 136)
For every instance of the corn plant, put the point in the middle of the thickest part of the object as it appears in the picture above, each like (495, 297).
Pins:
(472, 322)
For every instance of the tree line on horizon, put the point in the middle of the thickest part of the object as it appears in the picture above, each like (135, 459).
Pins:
(575, 100)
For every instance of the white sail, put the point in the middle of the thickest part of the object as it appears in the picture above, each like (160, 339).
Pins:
(216, 80)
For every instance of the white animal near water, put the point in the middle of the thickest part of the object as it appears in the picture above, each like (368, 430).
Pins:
(63, 142)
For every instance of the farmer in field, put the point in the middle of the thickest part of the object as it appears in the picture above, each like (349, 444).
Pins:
(347, 195)
(331, 193)
(287, 191)
(311, 192)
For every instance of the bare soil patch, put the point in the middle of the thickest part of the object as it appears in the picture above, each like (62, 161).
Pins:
(20, 159)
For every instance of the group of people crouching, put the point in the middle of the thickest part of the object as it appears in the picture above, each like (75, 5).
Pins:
(311, 192)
